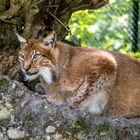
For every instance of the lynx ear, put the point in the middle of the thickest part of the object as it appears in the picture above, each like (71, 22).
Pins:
(50, 40)
(21, 40)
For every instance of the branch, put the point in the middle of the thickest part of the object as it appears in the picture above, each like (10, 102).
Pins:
(9, 22)
(35, 3)
(15, 5)
(66, 9)
(94, 4)
(66, 27)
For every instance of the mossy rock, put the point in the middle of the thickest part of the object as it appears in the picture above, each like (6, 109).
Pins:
(4, 81)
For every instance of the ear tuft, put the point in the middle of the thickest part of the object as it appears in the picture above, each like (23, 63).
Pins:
(21, 39)
(50, 40)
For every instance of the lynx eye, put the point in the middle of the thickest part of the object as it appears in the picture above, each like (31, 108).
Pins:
(21, 56)
(36, 56)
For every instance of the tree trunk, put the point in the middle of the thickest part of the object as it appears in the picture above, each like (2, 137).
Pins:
(34, 18)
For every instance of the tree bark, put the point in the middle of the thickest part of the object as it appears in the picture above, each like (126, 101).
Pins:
(34, 19)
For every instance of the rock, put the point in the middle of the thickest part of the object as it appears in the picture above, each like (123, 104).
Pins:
(45, 121)
(1, 136)
(48, 137)
(14, 133)
(50, 129)
(57, 137)
(103, 133)
(4, 114)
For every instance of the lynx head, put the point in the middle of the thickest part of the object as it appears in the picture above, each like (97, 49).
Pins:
(37, 57)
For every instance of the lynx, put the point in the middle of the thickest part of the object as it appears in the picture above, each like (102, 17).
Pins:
(90, 79)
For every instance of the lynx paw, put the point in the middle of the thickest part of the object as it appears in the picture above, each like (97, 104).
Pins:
(39, 88)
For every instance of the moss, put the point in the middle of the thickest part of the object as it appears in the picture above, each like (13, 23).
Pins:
(29, 117)
(103, 128)
(83, 125)
(3, 81)
(4, 114)
(2, 5)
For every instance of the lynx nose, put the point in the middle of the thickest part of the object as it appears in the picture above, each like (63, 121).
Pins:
(29, 73)
(26, 67)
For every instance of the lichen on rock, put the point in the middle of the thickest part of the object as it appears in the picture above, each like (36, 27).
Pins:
(29, 113)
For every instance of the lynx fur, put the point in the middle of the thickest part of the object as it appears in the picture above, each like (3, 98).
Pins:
(90, 79)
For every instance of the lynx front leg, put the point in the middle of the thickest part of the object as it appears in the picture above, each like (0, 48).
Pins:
(92, 94)
(80, 95)
(39, 88)
(52, 95)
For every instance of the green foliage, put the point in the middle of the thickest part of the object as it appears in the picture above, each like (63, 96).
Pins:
(108, 27)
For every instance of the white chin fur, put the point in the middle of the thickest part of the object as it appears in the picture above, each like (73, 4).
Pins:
(30, 77)
(26, 77)
(46, 74)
